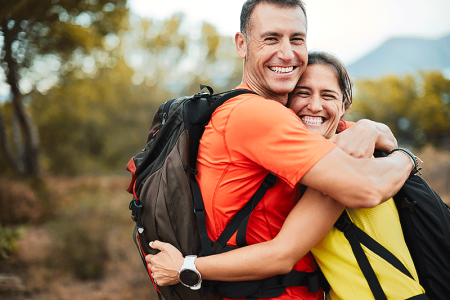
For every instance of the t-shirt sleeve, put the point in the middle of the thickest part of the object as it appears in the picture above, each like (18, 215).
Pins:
(272, 136)
(343, 125)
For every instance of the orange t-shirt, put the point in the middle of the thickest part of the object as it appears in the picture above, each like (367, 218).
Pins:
(247, 137)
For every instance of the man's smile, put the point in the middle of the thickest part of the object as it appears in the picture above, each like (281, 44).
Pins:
(282, 70)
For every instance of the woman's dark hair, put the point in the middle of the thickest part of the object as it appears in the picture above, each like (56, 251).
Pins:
(249, 6)
(345, 84)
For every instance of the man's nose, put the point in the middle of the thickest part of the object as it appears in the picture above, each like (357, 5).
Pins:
(286, 52)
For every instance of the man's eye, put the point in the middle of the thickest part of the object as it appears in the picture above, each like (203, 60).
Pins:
(298, 40)
(303, 94)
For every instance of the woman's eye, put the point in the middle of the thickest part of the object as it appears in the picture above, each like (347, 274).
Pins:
(328, 96)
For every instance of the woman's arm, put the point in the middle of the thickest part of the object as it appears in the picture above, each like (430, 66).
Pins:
(307, 223)
(361, 138)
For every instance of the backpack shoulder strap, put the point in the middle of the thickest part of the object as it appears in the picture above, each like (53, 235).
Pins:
(241, 218)
(345, 225)
(196, 130)
(356, 237)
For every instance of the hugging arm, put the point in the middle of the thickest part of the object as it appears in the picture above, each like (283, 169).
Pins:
(307, 223)
(360, 182)
(363, 137)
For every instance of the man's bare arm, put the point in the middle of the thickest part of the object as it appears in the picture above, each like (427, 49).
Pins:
(307, 223)
(359, 182)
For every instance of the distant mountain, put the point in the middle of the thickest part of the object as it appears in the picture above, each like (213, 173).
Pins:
(400, 56)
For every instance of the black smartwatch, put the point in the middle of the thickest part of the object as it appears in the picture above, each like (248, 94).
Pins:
(189, 275)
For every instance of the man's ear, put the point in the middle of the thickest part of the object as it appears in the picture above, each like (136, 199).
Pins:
(241, 45)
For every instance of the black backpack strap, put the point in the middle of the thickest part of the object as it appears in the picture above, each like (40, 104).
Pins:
(206, 116)
(199, 210)
(356, 237)
(419, 297)
(240, 219)
(345, 225)
(196, 131)
(198, 123)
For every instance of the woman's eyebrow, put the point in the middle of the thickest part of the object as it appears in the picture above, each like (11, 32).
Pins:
(330, 91)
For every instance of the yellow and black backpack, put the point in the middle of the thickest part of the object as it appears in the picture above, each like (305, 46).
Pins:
(425, 221)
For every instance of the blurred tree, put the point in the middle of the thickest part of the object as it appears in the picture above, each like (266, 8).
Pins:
(41, 40)
(92, 103)
(417, 109)
(179, 58)
(94, 124)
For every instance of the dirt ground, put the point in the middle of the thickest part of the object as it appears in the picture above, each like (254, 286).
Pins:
(38, 261)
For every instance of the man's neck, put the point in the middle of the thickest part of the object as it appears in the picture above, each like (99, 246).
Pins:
(283, 99)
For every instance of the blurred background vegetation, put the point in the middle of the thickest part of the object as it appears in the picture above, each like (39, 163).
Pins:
(84, 79)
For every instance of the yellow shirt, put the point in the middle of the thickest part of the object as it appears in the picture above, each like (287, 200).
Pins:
(338, 263)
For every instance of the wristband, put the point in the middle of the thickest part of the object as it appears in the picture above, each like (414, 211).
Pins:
(412, 156)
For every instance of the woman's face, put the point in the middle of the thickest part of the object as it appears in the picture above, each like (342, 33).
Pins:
(317, 100)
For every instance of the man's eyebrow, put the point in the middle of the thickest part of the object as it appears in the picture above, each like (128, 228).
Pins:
(270, 33)
(274, 33)
(302, 34)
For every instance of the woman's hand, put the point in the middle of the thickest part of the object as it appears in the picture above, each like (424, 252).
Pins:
(166, 264)
(361, 139)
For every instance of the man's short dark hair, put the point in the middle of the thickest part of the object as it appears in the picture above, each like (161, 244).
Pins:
(250, 5)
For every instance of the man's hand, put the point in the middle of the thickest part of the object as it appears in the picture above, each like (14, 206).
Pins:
(361, 139)
(166, 264)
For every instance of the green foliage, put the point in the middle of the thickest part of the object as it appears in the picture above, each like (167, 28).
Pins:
(42, 44)
(92, 78)
(93, 125)
(416, 109)
(8, 241)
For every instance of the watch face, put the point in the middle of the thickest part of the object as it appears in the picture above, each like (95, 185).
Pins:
(189, 277)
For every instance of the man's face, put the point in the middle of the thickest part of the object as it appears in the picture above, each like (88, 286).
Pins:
(276, 50)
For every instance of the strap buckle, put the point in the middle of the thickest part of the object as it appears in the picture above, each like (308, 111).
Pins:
(136, 209)
(408, 204)
(269, 180)
(343, 223)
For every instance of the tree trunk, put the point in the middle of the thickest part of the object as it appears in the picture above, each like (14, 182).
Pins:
(30, 157)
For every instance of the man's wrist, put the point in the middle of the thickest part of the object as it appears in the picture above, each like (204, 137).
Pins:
(412, 157)
(189, 275)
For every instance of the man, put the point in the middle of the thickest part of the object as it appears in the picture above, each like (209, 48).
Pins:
(251, 135)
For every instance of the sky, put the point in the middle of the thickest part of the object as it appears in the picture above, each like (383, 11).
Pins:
(348, 28)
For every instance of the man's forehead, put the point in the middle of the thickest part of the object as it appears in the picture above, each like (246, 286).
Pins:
(272, 19)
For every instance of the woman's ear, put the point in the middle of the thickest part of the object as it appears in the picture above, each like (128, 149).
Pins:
(241, 45)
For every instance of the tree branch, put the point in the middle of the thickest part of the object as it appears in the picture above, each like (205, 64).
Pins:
(30, 138)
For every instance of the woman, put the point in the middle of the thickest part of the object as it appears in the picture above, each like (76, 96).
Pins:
(320, 99)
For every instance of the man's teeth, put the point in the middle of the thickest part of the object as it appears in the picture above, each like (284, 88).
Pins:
(281, 70)
(312, 120)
